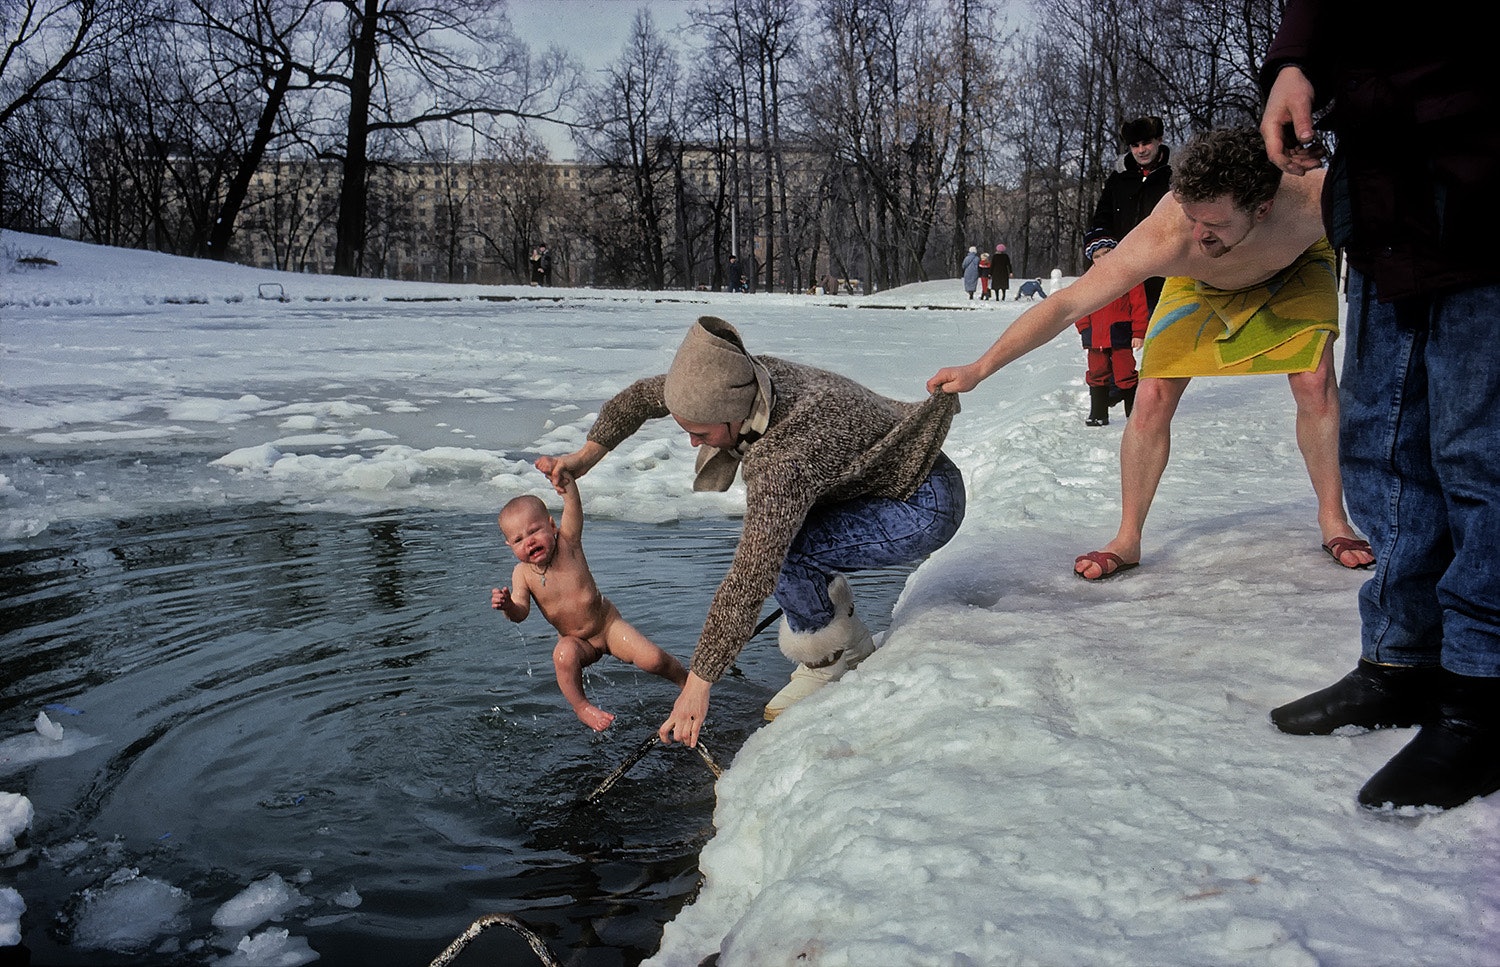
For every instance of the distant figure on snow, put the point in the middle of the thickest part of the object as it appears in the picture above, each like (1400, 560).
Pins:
(1000, 272)
(541, 266)
(1031, 288)
(553, 573)
(735, 273)
(971, 271)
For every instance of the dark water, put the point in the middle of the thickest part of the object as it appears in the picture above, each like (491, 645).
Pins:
(331, 699)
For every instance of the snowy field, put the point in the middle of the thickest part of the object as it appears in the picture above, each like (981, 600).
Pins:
(1031, 770)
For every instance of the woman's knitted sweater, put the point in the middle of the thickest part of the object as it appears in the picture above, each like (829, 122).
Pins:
(829, 439)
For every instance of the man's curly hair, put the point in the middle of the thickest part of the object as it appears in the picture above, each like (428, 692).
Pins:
(1226, 161)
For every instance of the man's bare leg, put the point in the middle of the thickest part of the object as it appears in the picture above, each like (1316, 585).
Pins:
(1317, 396)
(1144, 448)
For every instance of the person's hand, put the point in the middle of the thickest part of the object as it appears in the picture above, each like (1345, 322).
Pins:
(571, 466)
(559, 477)
(1137, 343)
(954, 379)
(688, 713)
(1289, 112)
(500, 598)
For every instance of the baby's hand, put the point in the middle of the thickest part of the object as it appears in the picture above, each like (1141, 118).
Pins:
(500, 598)
(556, 473)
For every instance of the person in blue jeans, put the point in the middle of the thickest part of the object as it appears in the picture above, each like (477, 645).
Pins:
(838, 478)
(1413, 195)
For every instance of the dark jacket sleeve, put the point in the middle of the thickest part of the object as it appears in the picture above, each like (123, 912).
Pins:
(1102, 225)
(1302, 39)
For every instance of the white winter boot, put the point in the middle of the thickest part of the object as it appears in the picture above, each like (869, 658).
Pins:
(824, 655)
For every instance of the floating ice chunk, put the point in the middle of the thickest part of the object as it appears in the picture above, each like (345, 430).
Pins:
(260, 457)
(649, 454)
(11, 908)
(269, 898)
(45, 741)
(214, 410)
(128, 912)
(47, 728)
(15, 819)
(349, 898)
(270, 948)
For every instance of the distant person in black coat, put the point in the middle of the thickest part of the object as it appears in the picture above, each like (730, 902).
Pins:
(1000, 272)
(541, 265)
(535, 261)
(1142, 177)
(736, 275)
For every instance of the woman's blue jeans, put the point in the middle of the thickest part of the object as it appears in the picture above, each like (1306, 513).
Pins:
(853, 535)
(1419, 446)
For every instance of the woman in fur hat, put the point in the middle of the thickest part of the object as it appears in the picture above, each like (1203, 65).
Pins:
(837, 478)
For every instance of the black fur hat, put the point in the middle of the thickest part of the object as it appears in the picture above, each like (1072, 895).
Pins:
(1141, 129)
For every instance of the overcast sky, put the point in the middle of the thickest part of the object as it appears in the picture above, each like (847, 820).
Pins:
(593, 30)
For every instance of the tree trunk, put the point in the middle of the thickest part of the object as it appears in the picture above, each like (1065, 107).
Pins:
(350, 245)
(222, 231)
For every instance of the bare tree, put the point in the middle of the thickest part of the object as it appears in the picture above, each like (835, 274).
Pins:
(634, 135)
(411, 63)
(711, 118)
(756, 43)
(44, 39)
(258, 54)
(884, 105)
(521, 189)
(292, 205)
(48, 45)
(1204, 56)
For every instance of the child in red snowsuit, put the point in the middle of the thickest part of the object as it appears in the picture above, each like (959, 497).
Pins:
(1111, 335)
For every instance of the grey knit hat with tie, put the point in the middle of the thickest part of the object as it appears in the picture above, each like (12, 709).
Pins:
(712, 379)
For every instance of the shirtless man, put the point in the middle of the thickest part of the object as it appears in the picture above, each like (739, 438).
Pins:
(1232, 223)
(552, 572)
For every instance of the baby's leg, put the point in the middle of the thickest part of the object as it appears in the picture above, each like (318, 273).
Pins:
(569, 659)
(629, 645)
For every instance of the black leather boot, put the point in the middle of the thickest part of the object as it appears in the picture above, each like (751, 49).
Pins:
(1098, 406)
(1128, 396)
(1450, 761)
(1371, 697)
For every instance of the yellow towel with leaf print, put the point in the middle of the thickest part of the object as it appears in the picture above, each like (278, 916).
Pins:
(1278, 326)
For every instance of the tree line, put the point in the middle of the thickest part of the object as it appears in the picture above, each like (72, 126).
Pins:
(867, 139)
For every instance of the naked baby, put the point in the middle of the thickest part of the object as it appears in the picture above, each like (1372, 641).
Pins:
(552, 572)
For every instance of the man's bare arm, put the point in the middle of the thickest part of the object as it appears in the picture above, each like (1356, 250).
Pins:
(1127, 266)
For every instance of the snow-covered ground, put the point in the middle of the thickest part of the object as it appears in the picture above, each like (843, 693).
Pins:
(1031, 770)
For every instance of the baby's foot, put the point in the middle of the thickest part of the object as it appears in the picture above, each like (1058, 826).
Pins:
(594, 717)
